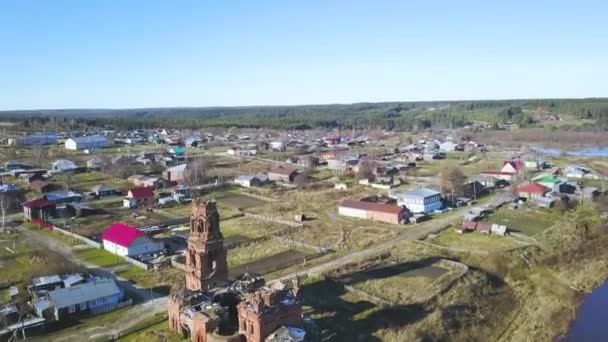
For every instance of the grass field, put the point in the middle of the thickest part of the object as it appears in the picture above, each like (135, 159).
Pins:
(256, 251)
(160, 281)
(243, 226)
(99, 257)
(474, 241)
(153, 329)
(529, 221)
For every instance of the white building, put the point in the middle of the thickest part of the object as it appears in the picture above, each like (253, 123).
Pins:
(124, 240)
(419, 200)
(82, 143)
(249, 181)
(63, 165)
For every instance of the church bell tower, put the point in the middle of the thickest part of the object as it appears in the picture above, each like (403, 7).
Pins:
(206, 265)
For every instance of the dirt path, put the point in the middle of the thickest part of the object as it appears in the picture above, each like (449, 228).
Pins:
(410, 233)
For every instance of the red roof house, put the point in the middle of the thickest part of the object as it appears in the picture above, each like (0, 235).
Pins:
(39, 208)
(137, 197)
(393, 214)
(513, 166)
(125, 240)
(532, 190)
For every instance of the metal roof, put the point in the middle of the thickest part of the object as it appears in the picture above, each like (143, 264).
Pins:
(419, 192)
(82, 293)
(89, 139)
(46, 280)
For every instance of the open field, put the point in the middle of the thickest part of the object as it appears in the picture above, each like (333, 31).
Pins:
(99, 257)
(160, 281)
(256, 251)
(248, 227)
(27, 261)
(527, 220)
(474, 241)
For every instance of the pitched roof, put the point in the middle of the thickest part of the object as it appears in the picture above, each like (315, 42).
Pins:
(74, 295)
(121, 234)
(38, 203)
(371, 206)
(533, 188)
(517, 164)
(420, 192)
(142, 192)
(549, 179)
(89, 139)
(103, 187)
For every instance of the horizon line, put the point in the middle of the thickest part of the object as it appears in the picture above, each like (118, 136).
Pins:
(305, 104)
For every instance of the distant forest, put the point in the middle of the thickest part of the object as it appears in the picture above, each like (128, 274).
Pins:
(384, 115)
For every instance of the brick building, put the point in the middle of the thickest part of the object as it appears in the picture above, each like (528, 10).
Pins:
(211, 309)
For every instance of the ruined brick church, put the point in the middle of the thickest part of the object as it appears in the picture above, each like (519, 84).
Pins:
(210, 308)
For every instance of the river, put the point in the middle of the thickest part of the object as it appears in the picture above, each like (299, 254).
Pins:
(580, 152)
(590, 323)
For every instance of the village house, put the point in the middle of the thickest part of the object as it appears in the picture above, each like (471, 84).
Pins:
(141, 196)
(35, 139)
(93, 297)
(419, 200)
(95, 163)
(483, 227)
(277, 145)
(514, 166)
(499, 175)
(392, 214)
(532, 191)
(13, 165)
(39, 209)
(175, 174)
(124, 240)
(12, 196)
(63, 165)
(249, 181)
(40, 185)
(550, 182)
(282, 174)
(145, 181)
(63, 196)
(487, 182)
(105, 190)
(450, 146)
(84, 143)
(305, 161)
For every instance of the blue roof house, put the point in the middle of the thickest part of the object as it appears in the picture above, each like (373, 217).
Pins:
(419, 200)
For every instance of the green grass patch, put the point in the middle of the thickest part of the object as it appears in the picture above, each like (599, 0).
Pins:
(99, 257)
(528, 221)
(153, 329)
(256, 251)
(474, 241)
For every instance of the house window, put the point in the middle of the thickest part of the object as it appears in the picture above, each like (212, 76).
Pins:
(83, 306)
(72, 309)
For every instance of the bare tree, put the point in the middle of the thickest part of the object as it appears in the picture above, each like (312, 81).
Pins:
(196, 171)
(39, 154)
(452, 181)
(4, 206)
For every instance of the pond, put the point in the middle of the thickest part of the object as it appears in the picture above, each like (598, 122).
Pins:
(579, 152)
(590, 323)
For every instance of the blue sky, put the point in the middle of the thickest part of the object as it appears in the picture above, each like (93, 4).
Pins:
(124, 54)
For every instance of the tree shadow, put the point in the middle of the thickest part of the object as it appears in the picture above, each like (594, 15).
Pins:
(388, 271)
(343, 320)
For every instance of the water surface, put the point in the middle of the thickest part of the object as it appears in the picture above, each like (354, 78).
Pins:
(591, 320)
